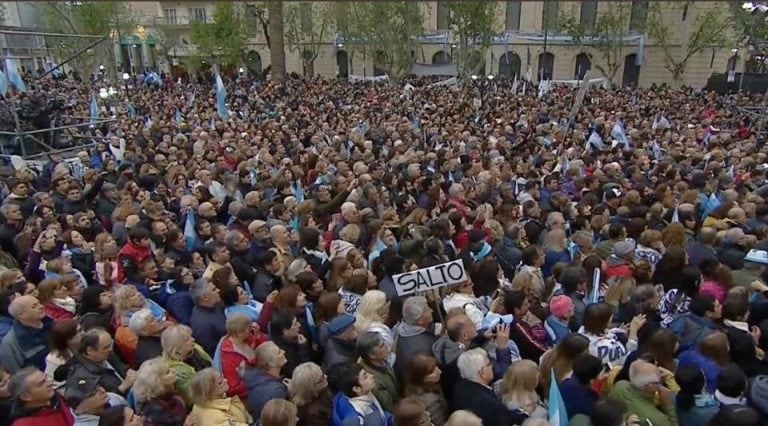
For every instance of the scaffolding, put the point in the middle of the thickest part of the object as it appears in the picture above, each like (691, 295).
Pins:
(37, 144)
(758, 119)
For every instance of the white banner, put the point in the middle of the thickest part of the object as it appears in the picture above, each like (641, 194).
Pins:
(428, 278)
(361, 78)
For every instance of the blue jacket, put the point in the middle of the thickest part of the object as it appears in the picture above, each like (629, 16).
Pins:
(180, 306)
(556, 330)
(208, 326)
(690, 329)
(344, 414)
(704, 408)
(578, 398)
(25, 346)
(694, 358)
(5, 326)
(262, 388)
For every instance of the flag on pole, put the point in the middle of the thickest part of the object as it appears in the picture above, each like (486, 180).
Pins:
(656, 150)
(131, 110)
(178, 118)
(712, 203)
(190, 236)
(556, 405)
(3, 84)
(514, 86)
(675, 215)
(13, 76)
(732, 172)
(594, 295)
(94, 109)
(221, 98)
(191, 101)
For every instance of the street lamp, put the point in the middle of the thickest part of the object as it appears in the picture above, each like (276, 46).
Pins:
(340, 45)
(103, 93)
(126, 77)
(241, 70)
(474, 77)
(490, 77)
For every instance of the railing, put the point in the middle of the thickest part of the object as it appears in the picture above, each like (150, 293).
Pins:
(179, 20)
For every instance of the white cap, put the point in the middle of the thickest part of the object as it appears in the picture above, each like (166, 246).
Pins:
(757, 256)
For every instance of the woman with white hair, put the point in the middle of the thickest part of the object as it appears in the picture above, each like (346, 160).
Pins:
(311, 395)
(156, 397)
(128, 301)
(148, 329)
(182, 355)
(370, 316)
(212, 405)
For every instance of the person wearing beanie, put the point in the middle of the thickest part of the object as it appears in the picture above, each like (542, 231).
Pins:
(561, 311)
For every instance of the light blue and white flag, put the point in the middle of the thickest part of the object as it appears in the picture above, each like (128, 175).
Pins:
(656, 150)
(13, 76)
(221, 98)
(556, 405)
(131, 110)
(618, 133)
(3, 84)
(594, 295)
(94, 109)
(190, 236)
(676, 215)
(732, 172)
(178, 118)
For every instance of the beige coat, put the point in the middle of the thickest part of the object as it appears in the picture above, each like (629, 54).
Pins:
(223, 412)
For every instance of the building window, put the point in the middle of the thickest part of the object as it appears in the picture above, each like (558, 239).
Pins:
(549, 15)
(443, 16)
(732, 64)
(639, 15)
(588, 15)
(583, 64)
(197, 14)
(305, 17)
(513, 15)
(685, 11)
(170, 16)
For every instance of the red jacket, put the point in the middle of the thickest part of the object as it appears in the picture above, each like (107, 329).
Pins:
(231, 362)
(58, 415)
(621, 270)
(128, 259)
(57, 312)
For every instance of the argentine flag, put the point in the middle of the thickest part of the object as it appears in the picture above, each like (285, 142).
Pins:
(556, 405)
(178, 118)
(675, 215)
(94, 109)
(3, 84)
(13, 76)
(221, 98)
(190, 236)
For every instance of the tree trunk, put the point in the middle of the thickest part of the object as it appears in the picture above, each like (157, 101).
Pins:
(276, 40)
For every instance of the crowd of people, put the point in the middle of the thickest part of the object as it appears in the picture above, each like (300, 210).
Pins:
(198, 269)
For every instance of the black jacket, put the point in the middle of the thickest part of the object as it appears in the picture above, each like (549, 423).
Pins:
(208, 327)
(481, 401)
(147, 348)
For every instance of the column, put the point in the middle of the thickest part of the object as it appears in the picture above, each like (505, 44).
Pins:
(145, 54)
(118, 52)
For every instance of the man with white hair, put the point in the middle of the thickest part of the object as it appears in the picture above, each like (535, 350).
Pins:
(642, 391)
(457, 199)
(25, 345)
(473, 392)
(415, 333)
(148, 329)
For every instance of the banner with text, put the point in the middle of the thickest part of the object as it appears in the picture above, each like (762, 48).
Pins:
(428, 278)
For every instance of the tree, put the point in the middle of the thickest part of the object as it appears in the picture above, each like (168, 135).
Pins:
(106, 19)
(276, 40)
(472, 22)
(386, 31)
(224, 40)
(709, 30)
(606, 38)
(168, 39)
(307, 26)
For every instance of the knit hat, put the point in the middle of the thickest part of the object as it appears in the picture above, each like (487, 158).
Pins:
(623, 248)
(559, 306)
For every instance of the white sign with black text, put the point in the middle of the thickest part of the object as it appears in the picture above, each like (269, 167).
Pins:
(428, 278)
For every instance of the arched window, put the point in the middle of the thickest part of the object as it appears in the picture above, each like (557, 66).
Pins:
(631, 76)
(379, 63)
(342, 63)
(441, 58)
(509, 65)
(583, 64)
(546, 66)
(638, 15)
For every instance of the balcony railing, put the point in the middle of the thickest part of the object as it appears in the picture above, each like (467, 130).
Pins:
(180, 20)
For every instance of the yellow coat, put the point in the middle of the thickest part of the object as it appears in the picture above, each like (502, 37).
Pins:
(223, 412)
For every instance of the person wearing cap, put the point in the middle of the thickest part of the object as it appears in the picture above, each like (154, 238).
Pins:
(561, 311)
(342, 337)
(619, 264)
(88, 400)
(35, 402)
(754, 268)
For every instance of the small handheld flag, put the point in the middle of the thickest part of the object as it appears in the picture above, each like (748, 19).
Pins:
(221, 98)
(94, 109)
(556, 405)
(13, 76)
(594, 295)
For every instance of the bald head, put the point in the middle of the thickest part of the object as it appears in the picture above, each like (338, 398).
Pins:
(642, 374)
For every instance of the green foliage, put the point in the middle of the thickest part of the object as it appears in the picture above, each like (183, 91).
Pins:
(224, 40)
(750, 28)
(710, 29)
(385, 31)
(307, 36)
(85, 18)
(606, 39)
(472, 23)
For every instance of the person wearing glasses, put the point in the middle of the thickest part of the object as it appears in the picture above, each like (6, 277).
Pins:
(642, 391)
